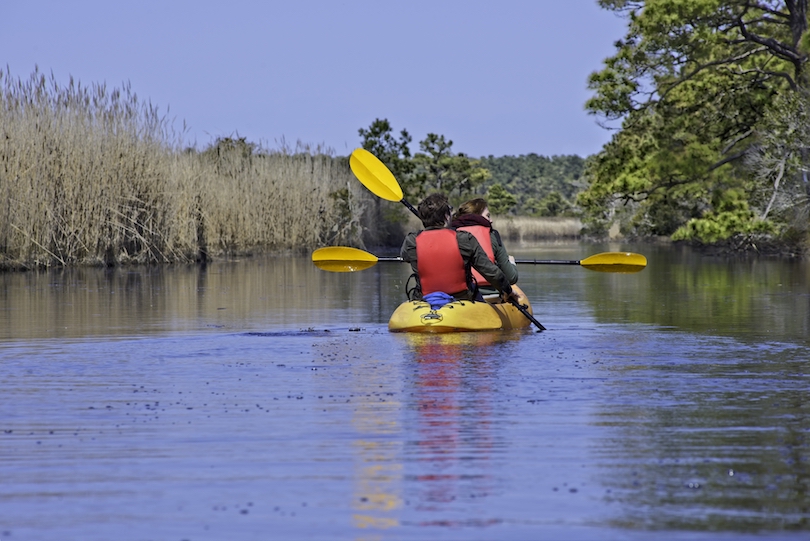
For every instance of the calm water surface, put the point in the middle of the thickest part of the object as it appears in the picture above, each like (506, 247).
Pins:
(265, 399)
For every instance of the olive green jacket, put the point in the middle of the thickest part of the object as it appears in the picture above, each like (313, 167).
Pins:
(502, 258)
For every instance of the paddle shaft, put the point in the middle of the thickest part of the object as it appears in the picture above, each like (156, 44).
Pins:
(521, 261)
(528, 315)
(410, 207)
(547, 261)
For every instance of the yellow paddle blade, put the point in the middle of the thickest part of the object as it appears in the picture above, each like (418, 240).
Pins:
(342, 259)
(625, 262)
(375, 175)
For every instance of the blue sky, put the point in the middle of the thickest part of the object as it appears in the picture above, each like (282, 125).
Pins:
(497, 78)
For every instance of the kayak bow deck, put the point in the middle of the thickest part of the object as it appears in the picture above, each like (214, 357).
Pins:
(417, 316)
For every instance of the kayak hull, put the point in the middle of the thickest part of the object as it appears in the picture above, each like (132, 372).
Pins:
(460, 316)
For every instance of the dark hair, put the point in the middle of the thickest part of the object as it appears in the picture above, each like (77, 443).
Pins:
(473, 206)
(433, 210)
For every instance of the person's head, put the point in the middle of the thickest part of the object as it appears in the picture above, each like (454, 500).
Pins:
(474, 206)
(434, 210)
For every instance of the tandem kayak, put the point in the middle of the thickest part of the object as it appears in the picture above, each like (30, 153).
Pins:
(417, 316)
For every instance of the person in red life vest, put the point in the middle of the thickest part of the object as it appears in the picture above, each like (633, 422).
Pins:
(474, 216)
(441, 257)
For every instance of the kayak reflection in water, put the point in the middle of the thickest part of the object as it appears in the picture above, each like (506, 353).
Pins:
(474, 217)
(442, 258)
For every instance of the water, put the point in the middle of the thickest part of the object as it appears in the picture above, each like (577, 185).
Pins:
(265, 399)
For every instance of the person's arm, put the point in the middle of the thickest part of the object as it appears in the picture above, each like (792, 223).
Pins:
(408, 250)
(471, 251)
(502, 259)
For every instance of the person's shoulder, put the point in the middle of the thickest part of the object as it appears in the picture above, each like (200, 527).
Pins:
(465, 237)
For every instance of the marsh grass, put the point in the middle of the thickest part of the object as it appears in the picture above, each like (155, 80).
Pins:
(95, 176)
(528, 229)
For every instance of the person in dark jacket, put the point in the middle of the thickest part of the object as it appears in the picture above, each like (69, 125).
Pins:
(474, 217)
(441, 258)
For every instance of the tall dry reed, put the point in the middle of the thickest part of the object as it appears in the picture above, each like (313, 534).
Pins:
(95, 176)
(528, 229)
(274, 201)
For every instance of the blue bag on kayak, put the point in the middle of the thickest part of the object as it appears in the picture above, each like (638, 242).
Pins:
(437, 299)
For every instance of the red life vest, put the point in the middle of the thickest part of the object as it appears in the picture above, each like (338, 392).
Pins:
(482, 235)
(439, 262)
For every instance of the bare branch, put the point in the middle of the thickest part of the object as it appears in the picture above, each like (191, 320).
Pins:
(765, 8)
(668, 183)
(776, 181)
(768, 20)
(726, 160)
(771, 74)
(723, 61)
(780, 49)
(736, 140)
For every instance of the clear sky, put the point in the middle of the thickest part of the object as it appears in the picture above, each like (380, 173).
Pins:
(497, 78)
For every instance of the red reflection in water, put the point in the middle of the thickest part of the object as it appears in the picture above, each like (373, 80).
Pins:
(453, 389)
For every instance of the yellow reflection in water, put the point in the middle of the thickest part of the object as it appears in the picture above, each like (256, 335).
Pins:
(378, 475)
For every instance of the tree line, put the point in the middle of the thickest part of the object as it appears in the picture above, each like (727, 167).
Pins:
(529, 185)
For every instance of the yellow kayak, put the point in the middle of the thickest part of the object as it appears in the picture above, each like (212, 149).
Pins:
(416, 316)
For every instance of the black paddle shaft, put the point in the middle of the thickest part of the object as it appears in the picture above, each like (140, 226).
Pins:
(411, 208)
(547, 261)
(520, 261)
(528, 315)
